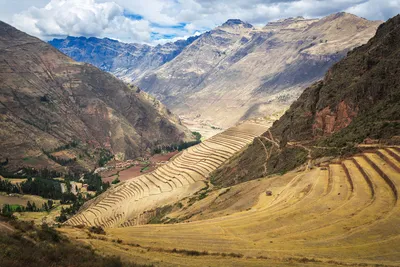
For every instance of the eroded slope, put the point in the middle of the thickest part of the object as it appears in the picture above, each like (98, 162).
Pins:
(47, 100)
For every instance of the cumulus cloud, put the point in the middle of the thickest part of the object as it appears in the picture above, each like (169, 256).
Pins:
(159, 21)
(82, 18)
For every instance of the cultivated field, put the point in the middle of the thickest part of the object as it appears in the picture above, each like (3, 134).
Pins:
(17, 199)
(133, 202)
(345, 213)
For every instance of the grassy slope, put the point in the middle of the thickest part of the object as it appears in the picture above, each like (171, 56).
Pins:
(23, 244)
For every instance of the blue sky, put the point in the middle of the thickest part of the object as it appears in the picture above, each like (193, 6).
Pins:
(159, 21)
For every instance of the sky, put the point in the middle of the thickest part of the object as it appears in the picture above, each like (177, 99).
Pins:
(159, 21)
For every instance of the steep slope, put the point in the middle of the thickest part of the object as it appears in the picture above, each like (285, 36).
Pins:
(133, 60)
(135, 201)
(358, 100)
(48, 101)
(237, 71)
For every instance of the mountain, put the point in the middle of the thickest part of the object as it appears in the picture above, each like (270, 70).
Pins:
(358, 101)
(237, 71)
(233, 72)
(50, 104)
(133, 60)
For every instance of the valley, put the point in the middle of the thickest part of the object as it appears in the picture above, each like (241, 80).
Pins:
(273, 144)
(235, 71)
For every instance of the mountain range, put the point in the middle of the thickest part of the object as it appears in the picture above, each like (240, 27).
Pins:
(233, 72)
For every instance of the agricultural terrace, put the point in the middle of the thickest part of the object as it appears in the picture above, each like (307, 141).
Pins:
(347, 213)
(133, 202)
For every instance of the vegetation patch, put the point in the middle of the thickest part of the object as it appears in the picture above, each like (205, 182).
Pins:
(44, 246)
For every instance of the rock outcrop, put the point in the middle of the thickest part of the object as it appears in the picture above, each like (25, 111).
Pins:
(358, 101)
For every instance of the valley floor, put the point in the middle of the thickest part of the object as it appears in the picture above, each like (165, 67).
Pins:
(346, 213)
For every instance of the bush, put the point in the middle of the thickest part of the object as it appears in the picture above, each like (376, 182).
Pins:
(97, 230)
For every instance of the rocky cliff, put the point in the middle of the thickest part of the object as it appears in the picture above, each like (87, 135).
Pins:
(49, 102)
(357, 101)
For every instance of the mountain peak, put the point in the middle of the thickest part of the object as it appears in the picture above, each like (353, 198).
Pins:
(236, 22)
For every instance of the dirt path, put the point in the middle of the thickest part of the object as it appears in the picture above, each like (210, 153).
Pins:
(267, 155)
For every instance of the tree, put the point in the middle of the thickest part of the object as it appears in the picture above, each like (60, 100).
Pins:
(28, 206)
(45, 207)
(50, 204)
(34, 206)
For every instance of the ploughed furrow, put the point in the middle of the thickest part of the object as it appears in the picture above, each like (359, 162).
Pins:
(229, 140)
(165, 180)
(178, 179)
(226, 142)
(164, 186)
(235, 138)
(144, 191)
(185, 173)
(211, 154)
(210, 165)
(190, 165)
(387, 156)
(215, 148)
(206, 167)
(148, 187)
(348, 176)
(246, 136)
(152, 182)
(394, 153)
(182, 176)
(215, 160)
(187, 167)
(232, 147)
(133, 190)
(198, 151)
(384, 171)
(365, 175)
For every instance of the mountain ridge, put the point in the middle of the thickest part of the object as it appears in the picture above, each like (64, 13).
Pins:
(357, 102)
(49, 101)
(236, 71)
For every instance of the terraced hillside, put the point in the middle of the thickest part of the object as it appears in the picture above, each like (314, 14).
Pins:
(346, 212)
(133, 202)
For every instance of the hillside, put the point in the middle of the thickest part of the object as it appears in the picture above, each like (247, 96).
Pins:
(238, 71)
(233, 72)
(357, 101)
(184, 176)
(340, 214)
(50, 104)
(121, 59)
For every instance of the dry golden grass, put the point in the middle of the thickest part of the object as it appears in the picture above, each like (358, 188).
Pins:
(348, 214)
(133, 202)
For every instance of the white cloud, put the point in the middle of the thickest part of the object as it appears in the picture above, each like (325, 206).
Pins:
(376, 9)
(82, 18)
(158, 21)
